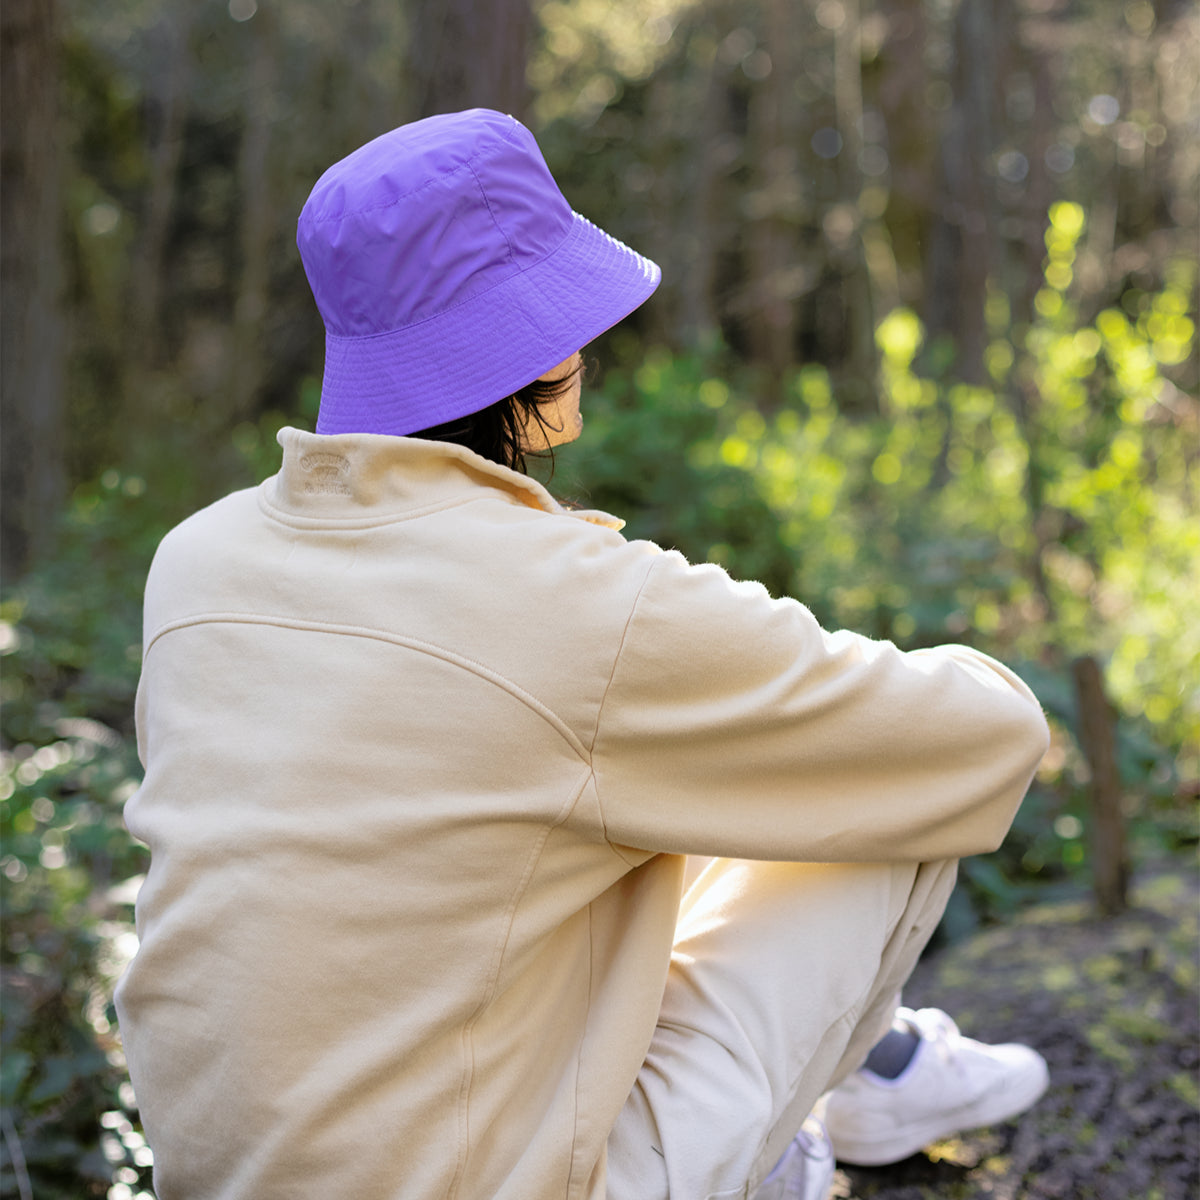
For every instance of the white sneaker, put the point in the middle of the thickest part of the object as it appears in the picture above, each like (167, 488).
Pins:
(805, 1171)
(951, 1084)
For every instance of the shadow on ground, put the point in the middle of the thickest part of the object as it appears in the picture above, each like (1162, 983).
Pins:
(1112, 1005)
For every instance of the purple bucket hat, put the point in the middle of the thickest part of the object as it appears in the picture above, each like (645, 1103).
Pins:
(450, 272)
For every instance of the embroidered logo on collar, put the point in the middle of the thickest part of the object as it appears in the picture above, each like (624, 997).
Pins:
(327, 474)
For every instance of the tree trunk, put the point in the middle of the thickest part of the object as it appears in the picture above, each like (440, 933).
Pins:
(697, 318)
(770, 244)
(1110, 861)
(856, 279)
(962, 241)
(903, 97)
(468, 54)
(1039, 192)
(258, 221)
(167, 104)
(32, 325)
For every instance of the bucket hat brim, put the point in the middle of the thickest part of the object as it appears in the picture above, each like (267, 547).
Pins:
(409, 379)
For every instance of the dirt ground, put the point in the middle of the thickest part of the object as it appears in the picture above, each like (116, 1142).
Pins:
(1114, 1006)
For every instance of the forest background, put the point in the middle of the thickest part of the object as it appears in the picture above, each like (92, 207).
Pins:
(924, 357)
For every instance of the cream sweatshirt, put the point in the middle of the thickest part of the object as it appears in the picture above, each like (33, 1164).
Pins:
(421, 751)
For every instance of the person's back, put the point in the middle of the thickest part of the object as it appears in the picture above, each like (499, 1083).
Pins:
(379, 866)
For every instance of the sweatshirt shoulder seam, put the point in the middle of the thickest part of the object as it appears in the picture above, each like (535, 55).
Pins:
(633, 608)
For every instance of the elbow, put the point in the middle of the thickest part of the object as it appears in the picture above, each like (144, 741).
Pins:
(1019, 753)
(1029, 741)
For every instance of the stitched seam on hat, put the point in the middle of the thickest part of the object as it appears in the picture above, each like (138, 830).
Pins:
(431, 648)
(358, 212)
(520, 270)
(507, 134)
(512, 256)
(467, 163)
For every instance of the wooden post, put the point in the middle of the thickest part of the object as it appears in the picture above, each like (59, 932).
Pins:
(1110, 860)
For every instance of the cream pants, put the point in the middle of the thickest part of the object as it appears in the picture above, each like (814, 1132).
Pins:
(783, 977)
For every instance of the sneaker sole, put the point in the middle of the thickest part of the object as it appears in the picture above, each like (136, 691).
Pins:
(904, 1143)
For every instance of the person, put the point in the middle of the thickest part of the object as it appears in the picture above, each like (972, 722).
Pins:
(426, 754)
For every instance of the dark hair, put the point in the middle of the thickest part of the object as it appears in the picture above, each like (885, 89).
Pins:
(499, 432)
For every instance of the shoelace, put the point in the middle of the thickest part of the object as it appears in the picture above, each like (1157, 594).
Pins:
(939, 1029)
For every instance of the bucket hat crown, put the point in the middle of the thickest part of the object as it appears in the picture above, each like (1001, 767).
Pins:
(450, 272)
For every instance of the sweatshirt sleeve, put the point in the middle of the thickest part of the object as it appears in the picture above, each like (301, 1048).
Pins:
(734, 725)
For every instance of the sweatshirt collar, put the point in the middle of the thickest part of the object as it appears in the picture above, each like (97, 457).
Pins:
(365, 478)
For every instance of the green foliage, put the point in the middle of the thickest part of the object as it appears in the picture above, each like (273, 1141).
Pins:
(1113, 492)
(653, 438)
(71, 640)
